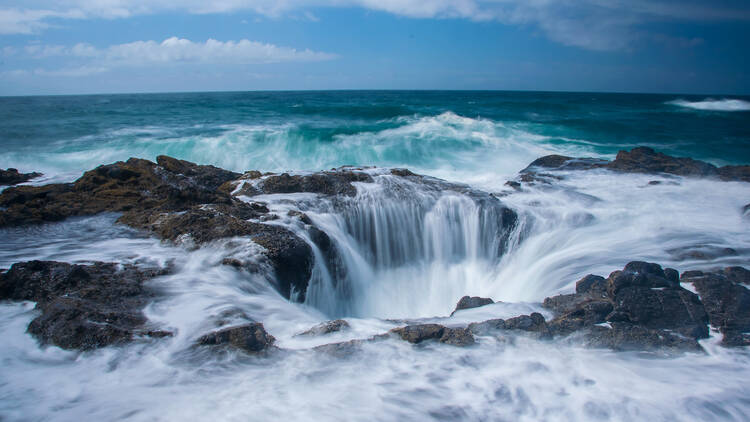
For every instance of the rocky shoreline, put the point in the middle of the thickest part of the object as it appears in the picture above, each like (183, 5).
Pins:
(82, 307)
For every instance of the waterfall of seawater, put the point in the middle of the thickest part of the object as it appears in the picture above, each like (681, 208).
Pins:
(405, 248)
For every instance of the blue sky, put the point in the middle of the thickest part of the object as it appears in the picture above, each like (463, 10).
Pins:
(112, 46)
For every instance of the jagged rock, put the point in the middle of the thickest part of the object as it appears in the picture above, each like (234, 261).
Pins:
(639, 160)
(623, 336)
(82, 306)
(421, 332)
(457, 337)
(11, 176)
(134, 185)
(251, 338)
(468, 302)
(726, 301)
(642, 295)
(337, 182)
(402, 172)
(646, 160)
(533, 323)
(746, 210)
(326, 327)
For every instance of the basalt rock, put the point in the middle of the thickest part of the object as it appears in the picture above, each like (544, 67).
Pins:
(251, 338)
(11, 176)
(644, 299)
(422, 332)
(534, 324)
(726, 298)
(326, 327)
(468, 302)
(335, 182)
(83, 306)
(623, 336)
(135, 185)
(639, 160)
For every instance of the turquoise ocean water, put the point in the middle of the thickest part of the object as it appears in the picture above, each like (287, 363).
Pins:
(449, 133)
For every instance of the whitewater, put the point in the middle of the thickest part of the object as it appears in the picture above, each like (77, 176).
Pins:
(409, 251)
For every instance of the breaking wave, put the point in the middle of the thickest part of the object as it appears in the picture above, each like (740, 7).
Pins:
(714, 105)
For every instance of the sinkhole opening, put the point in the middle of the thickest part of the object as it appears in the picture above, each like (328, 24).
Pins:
(408, 257)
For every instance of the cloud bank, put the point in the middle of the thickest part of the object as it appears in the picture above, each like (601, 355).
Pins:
(170, 51)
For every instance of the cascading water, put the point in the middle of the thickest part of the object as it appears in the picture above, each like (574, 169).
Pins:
(403, 248)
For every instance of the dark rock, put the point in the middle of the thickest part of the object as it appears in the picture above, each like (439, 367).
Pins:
(251, 338)
(640, 160)
(82, 306)
(487, 327)
(402, 172)
(419, 333)
(726, 301)
(701, 252)
(341, 349)
(11, 176)
(338, 182)
(533, 323)
(513, 184)
(623, 336)
(735, 173)
(746, 209)
(422, 332)
(135, 185)
(326, 327)
(642, 294)
(646, 160)
(468, 302)
(457, 337)
(737, 275)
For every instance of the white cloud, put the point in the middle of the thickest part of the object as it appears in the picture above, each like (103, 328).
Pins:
(591, 24)
(170, 51)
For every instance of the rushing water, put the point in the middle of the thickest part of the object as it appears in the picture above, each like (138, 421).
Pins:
(404, 250)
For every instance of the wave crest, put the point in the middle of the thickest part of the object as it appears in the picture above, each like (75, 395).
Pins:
(714, 105)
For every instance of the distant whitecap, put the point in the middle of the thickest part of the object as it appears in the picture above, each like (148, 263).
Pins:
(714, 105)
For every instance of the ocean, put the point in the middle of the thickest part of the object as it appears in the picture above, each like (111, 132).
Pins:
(408, 253)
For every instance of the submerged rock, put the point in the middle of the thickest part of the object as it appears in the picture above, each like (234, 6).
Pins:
(468, 302)
(83, 306)
(251, 338)
(326, 328)
(11, 176)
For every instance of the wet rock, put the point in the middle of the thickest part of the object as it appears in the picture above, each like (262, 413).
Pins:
(134, 185)
(623, 336)
(735, 173)
(646, 160)
(402, 172)
(701, 252)
(457, 337)
(11, 176)
(642, 295)
(487, 327)
(468, 302)
(639, 160)
(326, 327)
(422, 332)
(337, 182)
(341, 349)
(83, 306)
(726, 301)
(419, 333)
(251, 338)
(533, 323)
(746, 210)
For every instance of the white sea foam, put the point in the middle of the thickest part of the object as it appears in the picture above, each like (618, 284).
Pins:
(714, 105)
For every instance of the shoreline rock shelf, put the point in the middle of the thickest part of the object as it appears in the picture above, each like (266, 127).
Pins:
(642, 307)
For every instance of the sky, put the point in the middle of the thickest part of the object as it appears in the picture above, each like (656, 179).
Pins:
(122, 46)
